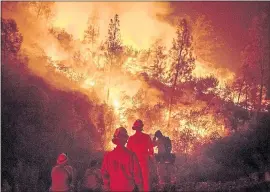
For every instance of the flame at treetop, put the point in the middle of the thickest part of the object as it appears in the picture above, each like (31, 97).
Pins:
(69, 63)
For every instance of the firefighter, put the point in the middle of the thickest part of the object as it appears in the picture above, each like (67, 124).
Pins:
(62, 175)
(141, 144)
(165, 160)
(92, 180)
(120, 168)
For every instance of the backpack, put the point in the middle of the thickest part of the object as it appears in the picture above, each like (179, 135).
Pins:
(167, 145)
(167, 156)
(91, 178)
(69, 173)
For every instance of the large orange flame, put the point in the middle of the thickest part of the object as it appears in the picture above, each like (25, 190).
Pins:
(139, 28)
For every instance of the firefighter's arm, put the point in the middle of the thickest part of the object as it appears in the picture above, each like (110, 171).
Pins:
(72, 174)
(154, 141)
(105, 173)
(129, 144)
(137, 172)
(170, 145)
(50, 189)
(99, 176)
(74, 177)
(150, 147)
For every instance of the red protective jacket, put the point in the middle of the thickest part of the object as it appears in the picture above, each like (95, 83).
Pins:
(121, 170)
(141, 144)
(62, 178)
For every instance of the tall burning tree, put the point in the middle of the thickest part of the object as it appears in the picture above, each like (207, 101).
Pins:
(113, 49)
(182, 60)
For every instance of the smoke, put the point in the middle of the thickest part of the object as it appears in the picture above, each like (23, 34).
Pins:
(139, 23)
(52, 58)
(140, 35)
(223, 75)
(73, 18)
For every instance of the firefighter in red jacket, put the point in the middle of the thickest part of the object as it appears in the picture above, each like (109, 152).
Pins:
(120, 169)
(62, 175)
(141, 144)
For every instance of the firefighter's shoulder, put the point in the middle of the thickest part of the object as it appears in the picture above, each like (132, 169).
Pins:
(107, 153)
(146, 135)
(131, 137)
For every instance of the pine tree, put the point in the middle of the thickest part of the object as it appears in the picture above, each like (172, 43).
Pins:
(158, 60)
(181, 58)
(113, 48)
(256, 59)
(92, 32)
(11, 39)
(42, 9)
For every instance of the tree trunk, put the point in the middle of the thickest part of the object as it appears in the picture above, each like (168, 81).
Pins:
(261, 91)
(174, 84)
(268, 84)
(109, 82)
(260, 97)
(171, 99)
(39, 11)
(246, 99)
(240, 91)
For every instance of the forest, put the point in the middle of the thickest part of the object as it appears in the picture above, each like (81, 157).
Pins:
(67, 88)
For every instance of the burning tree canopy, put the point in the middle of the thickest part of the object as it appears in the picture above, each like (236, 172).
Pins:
(252, 81)
(163, 81)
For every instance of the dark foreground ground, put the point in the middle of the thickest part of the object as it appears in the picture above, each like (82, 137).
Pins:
(220, 187)
(25, 178)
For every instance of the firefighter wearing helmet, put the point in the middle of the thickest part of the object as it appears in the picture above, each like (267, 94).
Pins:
(141, 144)
(165, 160)
(62, 175)
(121, 170)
